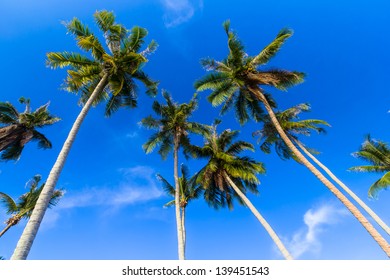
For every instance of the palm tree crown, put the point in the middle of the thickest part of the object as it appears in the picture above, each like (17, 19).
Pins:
(293, 127)
(189, 190)
(22, 209)
(121, 62)
(235, 79)
(172, 126)
(19, 128)
(377, 153)
(223, 160)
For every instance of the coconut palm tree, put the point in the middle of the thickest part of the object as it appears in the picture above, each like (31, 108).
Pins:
(104, 75)
(189, 191)
(238, 79)
(289, 121)
(377, 153)
(173, 128)
(227, 176)
(23, 208)
(19, 128)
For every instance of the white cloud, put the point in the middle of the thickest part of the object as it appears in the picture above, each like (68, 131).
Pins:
(307, 239)
(138, 185)
(133, 134)
(180, 11)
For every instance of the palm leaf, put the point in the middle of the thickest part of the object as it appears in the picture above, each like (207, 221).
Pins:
(8, 203)
(273, 48)
(381, 184)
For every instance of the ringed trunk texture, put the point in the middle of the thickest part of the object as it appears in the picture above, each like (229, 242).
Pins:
(352, 208)
(262, 221)
(30, 231)
(180, 240)
(373, 215)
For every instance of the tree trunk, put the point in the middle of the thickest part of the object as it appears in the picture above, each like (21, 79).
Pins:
(5, 229)
(262, 221)
(183, 226)
(180, 240)
(373, 215)
(352, 208)
(30, 231)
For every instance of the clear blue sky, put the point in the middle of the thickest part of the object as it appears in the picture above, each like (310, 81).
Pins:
(113, 203)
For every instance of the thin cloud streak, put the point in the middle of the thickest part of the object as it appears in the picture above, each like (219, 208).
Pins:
(179, 11)
(307, 239)
(137, 186)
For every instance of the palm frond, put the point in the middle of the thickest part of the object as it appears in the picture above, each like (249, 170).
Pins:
(8, 203)
(273, 48)
(64, 59)
(8, 113)
(168, 188)
(104, 19)
(43, 142)
(211, 81)
(77, 28)
(382, 184)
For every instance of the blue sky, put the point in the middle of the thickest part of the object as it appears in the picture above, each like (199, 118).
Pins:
(112, 208)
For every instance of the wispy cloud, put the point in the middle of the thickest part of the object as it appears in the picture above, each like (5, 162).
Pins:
(179, 11)
(316, 219)
(133, 134)
(137, 185)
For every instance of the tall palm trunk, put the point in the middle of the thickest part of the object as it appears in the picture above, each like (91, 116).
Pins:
(13, 221)
(373, 215)
(262, 221)
(30, 231)
(180, 240)
(183, 226)
(5, 229)
(352, 208)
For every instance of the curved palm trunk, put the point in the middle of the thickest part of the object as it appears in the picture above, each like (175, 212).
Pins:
(352, 208)
(180, 240)
(5, 229)
(30, 231)
(373, 215)
(13, 221)
(262, 221)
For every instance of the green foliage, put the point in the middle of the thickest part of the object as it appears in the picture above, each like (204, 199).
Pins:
(20, 128)
(23, 207)
(122, 62)
(223, 157)
(288, 119)
(189, 189)
(172, 125)
(377, 153)
(235, 80)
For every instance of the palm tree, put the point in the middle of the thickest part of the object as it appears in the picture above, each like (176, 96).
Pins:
(227, 175)
(237, 80)
(173, 128)
(106, 75)
(24, 206)
(20, 128)
(293, 127)
(189, 191)
(377, 153)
